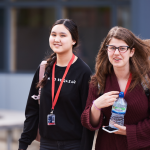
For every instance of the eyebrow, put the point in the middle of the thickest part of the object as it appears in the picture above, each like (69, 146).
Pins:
(59, 32)
(119, 46)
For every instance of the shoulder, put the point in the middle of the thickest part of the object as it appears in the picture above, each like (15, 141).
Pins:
(93, 89)
(44, 62)
(40, 66)
(82, 66)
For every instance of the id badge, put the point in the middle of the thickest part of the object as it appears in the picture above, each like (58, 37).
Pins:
(50, 119)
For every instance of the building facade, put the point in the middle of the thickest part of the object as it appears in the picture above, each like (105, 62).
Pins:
(24, 33)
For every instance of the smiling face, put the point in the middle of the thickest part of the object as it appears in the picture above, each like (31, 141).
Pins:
(117, 59)
(60, 39)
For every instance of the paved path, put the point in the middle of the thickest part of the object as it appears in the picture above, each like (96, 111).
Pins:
(9, 122)
(14, 145)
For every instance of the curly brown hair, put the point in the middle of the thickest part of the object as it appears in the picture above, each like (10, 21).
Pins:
(139, 62)
(72, 28)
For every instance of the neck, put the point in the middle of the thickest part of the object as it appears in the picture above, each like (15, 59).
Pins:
(122, 73)
(63, 59)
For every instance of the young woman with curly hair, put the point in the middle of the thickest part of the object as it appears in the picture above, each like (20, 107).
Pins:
(122, 56)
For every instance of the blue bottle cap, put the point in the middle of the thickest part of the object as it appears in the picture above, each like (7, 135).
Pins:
(121, 94)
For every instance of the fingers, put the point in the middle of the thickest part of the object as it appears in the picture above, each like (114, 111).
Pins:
(112, 93)
(117, 132)
(117, 126)
(111, 96)
(106, 99)
(111, 101)
(122, 129)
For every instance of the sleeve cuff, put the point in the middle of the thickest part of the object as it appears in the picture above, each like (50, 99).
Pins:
(23, 146)
(99, 124)
(131, 137)
(86, 120)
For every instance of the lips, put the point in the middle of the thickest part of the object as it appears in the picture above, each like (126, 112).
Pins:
(117, 59)
(57, 45)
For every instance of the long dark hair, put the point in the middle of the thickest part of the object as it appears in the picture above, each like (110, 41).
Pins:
(139, 62)
(72, 28)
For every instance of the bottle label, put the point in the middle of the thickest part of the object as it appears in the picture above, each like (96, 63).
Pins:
(119, 110)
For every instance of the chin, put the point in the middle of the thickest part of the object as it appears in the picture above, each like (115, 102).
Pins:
(60, 52)
(57, 51)
(117, 66)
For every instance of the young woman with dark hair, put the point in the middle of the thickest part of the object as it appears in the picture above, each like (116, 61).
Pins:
(63, 94)
(122, 57)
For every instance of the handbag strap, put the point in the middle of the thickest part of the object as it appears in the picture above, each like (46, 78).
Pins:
(42, 70)
(41, 74)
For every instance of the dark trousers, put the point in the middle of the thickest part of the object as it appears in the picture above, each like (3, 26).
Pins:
(46, 144)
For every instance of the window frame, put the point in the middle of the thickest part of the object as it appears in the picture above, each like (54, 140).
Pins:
(58, 5)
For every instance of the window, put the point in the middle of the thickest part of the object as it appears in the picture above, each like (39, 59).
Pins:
(28, 24)
(33, 0)
(123, 17)
(1, 40)
(87, 0)
(93, 25)
(123, 0)
(32, 37)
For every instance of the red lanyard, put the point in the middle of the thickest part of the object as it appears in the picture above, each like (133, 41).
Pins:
(54, 100)
(128, 83)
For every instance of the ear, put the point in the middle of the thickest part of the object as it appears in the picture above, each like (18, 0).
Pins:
(74, 42)
(132, 52)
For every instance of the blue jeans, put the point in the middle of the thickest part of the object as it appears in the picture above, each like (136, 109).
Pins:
(46, 144)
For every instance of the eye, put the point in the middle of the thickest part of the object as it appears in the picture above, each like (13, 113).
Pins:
(112, 47)
(123, 48)
(62, 35)
(53, 34)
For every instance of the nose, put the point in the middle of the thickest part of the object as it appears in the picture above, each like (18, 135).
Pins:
(117, 51)
(57, 39)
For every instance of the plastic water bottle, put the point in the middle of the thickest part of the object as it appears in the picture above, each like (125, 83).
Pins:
(118, 111)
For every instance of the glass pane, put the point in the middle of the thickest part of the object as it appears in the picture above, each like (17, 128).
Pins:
(1, 39)
(86, 0)
(124, 17)
(33, 0)
(98, 0)
(93, 25)
(33, 27)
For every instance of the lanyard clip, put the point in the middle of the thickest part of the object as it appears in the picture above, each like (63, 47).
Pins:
(52, 111)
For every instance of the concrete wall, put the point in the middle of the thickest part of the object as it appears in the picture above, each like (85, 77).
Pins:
(14, 89)
(140, 21)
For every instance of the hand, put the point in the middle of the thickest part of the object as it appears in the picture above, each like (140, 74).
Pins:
(121, 131)
(106, 99)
